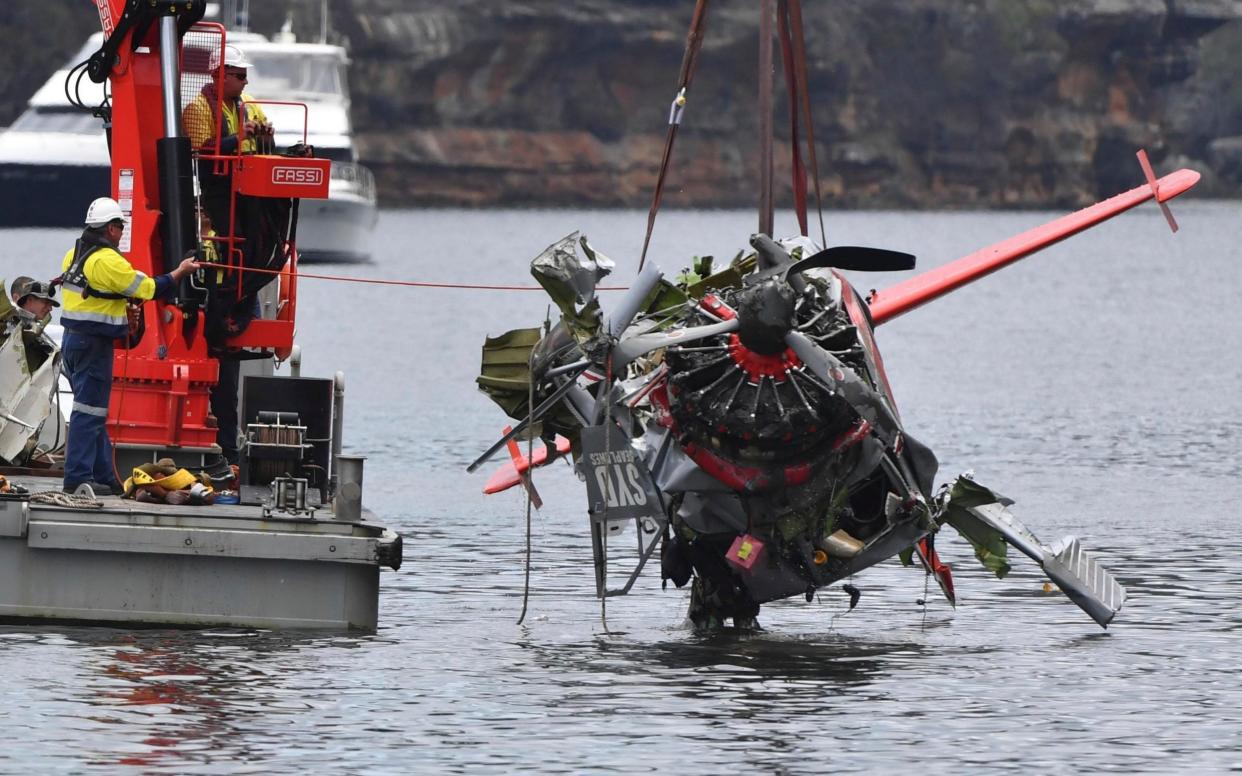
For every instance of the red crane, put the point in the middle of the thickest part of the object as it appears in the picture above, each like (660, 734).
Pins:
(157, 56)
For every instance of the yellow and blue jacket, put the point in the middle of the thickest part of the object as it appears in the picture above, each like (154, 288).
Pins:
(99, 310)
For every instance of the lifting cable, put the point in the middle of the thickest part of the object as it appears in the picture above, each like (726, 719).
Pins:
(766, 204)
(793, 42)
(694, 41)
(791, 86)
(530, 471)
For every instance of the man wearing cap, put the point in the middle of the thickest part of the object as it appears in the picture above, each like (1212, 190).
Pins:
(18, 283)
(97, 282)
(34, 298)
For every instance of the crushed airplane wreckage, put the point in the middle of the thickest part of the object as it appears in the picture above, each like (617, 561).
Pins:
(29, 365)
(745, 423)
(742, 418)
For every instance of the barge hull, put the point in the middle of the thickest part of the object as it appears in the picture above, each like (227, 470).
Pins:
(184, 566)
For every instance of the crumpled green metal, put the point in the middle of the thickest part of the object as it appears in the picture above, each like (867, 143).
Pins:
(990, 547)
(729, 277)
(505, 370)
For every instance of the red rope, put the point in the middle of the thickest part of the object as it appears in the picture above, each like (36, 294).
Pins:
(414, 283)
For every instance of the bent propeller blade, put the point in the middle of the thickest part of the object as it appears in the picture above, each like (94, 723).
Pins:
(632, 302)
(632, 348)
(856, 259)
(828, 368)
(538, 413)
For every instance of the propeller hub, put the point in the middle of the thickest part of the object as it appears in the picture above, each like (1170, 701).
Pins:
(765, 314)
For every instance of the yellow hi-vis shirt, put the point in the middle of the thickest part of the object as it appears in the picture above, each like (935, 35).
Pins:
(105, 270)
(211, 253)
(199, 120)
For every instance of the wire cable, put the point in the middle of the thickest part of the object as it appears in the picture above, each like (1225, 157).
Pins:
(530, 469)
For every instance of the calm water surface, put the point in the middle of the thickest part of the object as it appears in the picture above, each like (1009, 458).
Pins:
(1096, 384)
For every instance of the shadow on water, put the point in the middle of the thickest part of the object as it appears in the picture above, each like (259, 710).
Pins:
(729, 661)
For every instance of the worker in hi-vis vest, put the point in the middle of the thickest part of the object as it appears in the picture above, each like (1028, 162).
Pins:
(224, 121)
(97, 282)
(243, 125)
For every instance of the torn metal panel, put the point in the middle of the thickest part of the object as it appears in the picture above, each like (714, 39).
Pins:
(1083, 580)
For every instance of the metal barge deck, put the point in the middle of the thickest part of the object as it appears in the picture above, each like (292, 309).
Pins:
(134, 563)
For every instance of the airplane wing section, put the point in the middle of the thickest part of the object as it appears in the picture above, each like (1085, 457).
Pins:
(510, 473)
(897, 300)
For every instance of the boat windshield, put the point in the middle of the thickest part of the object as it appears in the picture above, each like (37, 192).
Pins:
(277, 76)
(71, 121)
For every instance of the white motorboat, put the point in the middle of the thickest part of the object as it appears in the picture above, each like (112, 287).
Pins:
(338, 228)
(54, 158)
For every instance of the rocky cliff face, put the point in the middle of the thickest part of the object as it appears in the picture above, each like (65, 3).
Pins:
(917, 103)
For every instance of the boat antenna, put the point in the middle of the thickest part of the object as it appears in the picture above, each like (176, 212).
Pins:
(237, 15)
(323, 21)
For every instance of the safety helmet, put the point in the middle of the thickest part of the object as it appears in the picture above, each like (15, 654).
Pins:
(102, 211)
(233, 57)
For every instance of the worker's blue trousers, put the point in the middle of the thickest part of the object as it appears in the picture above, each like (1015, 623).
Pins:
(88, 365)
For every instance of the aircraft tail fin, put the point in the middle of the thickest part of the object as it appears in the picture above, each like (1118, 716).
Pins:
(1080, 577)
(1084, 580)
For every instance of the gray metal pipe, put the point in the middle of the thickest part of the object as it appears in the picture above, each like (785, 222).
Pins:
(170, 77)
(347, 504)
(338, 415)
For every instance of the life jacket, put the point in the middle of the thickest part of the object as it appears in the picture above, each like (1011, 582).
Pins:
(202, 115)
(96, 282)
(74, 278)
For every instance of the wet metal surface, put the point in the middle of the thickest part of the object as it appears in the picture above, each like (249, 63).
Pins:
(1096, 384)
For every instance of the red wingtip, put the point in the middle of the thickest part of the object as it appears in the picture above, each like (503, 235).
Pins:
(1150, 175)
(897, 300)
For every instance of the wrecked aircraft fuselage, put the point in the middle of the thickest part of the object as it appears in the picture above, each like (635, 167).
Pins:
(744, 422)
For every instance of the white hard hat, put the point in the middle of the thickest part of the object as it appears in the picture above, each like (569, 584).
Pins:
(103, 211)
(233, 57)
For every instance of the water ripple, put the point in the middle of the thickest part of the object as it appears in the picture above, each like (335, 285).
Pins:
(1101, 417)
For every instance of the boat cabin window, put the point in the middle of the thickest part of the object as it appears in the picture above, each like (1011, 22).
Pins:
(335, 154)
(67, 120)
(283, 76)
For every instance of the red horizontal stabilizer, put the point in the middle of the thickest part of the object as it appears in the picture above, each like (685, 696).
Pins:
(510, 473)
(897, 300)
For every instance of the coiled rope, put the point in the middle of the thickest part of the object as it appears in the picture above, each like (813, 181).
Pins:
(60, 499)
